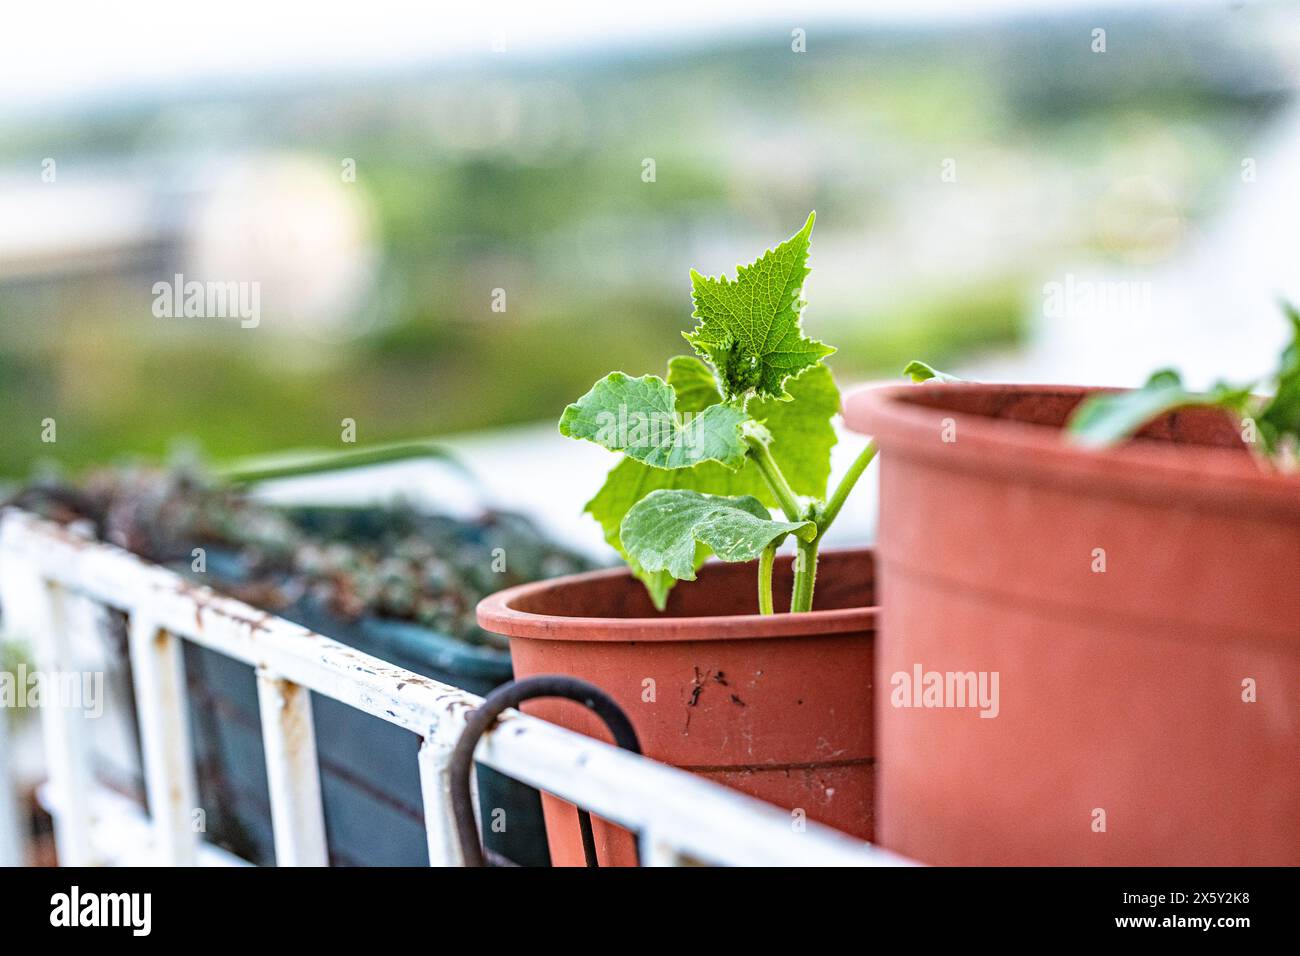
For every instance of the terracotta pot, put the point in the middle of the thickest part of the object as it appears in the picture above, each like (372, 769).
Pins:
(1128, 600)
(777, 706)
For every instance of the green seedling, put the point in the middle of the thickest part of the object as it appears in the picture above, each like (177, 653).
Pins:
(732, 432)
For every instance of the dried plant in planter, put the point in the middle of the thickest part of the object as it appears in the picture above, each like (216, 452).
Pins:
(389, 562)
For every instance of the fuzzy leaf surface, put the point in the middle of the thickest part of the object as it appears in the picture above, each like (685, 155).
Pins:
(663, 529)
(750, 326)
(802, 438)
(640, 418)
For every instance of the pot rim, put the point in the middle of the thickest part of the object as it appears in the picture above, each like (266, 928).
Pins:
(497, 614)
(1144, 469)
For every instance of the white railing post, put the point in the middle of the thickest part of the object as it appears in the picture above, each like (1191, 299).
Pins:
(292, 771)
(159, 678)
(657, 852)
(11, 841)
(435, 786)
(11, 838)
(63, 725)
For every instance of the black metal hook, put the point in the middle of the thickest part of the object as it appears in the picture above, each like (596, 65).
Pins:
(481, 720)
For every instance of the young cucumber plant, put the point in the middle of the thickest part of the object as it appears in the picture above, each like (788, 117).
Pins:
(736, 430)
(1270, 424)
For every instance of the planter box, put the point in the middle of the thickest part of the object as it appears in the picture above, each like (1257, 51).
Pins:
(370, 783)
(1139, 607)
(778, 706)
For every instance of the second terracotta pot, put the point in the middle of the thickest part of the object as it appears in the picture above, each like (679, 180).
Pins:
(1139, 609)
(777, 706)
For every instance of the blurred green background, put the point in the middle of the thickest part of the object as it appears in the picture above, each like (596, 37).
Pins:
(528, 175)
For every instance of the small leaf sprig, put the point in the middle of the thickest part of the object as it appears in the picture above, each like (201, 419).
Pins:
(736, 430)
(1270, 424)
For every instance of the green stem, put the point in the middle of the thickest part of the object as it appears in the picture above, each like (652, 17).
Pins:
(805, 577)
(316, 461)
(771, 472)
(765, 562)
(850, 479)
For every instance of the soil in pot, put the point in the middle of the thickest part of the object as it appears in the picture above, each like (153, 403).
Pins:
(1138, 608)
(776, 706)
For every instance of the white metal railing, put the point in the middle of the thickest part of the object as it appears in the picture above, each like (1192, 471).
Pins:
(49, 577)
(11, 846)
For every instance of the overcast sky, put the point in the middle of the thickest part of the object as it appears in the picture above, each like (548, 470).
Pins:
(55, 53)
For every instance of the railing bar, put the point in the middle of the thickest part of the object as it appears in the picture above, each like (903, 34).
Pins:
(292, 771)
(122, 829)
(158, 675)
(700, 819)
(698, 816)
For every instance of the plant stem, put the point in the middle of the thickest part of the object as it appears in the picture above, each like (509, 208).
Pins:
(765, 561)
(785, 495)
(805, 576)
(316, 461)
(850, 479)
(771, 471)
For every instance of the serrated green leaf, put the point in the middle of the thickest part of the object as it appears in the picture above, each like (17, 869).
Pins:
(749, 327)
(639, 417)
(918, 371)
(1105, 419)
(662, 530)
(802, 438)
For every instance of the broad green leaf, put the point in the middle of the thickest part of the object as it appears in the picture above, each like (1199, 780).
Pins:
(693, 383)
(662, 530)
(802, 437)
(802, 434)
(749, 328)
(800, 429)
(639, 417)
(1112, 417)
(920, 372)
(1279, 419)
